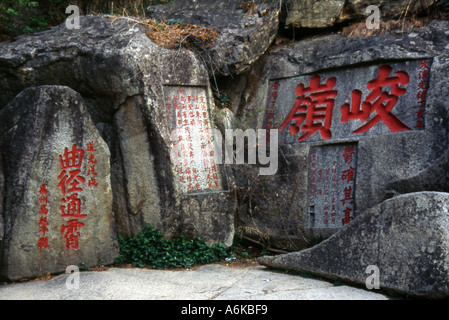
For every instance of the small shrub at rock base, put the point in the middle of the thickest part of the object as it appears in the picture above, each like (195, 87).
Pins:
(149, 248)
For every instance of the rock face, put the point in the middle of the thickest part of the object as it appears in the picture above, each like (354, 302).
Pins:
(326, 13)
(247, 29)
(139, 96)
(359, 121)
(2, 190)
(313, 14)
(58, 199)
(385, 236)
(347, 163)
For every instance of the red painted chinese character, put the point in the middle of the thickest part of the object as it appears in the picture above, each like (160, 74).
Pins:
(424, 65)
(73, 179)
(92, 159)
(348, 175)
(43, 243)
(419, 124)
(348, 153)
(422, 85)
(43, 210)
(347, 217)
(43, 200)
(90, 147)
(92, 182)
(348, 198)
(421, 95)
(378, 100)
(423, 73)
(43, 223)
(71, 233)
(91, 171)
(313, 106)
(72, 159)
(43, 189)
(72, 208)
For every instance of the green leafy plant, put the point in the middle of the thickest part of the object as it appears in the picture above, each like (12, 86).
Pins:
(149, 248)
(26, 16)
(223, 101)
(83, 266)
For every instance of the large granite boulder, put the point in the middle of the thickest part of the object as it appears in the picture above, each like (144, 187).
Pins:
(247, 29)
(405, 239)
(327, 13)
(353, 152)
(58, 199)
(137, 95)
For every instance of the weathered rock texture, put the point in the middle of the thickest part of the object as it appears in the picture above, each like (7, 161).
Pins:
(2, 190)
(405, 237)
(327, 13)
(37, 127)
(122, 75)
(387, 164)
(247, 29)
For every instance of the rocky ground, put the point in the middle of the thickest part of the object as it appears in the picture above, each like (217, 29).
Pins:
(221, 281)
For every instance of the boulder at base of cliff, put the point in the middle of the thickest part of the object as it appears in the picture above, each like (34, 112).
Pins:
(400, 244)
(58, 199)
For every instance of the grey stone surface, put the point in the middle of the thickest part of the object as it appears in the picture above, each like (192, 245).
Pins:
(386, 236)
(332, 175)
(326, 13)
(45, 140)
(121, 74)
(196, 164)
(386, 160)
(208, 282)
(313, 14)
(338, 102)
(244, 34)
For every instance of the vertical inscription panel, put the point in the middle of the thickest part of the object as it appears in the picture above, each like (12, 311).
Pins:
(331, 185)
(193, 152)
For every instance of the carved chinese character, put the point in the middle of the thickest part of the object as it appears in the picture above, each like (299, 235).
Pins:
(72, 179)
(348, 154)
(90, 147)
(378, 100)
(312, 109)
(71, 159)
(71, 233)
(72, 207)
(348, 175)
(347, 217)
(348, 196)
(43, 243)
